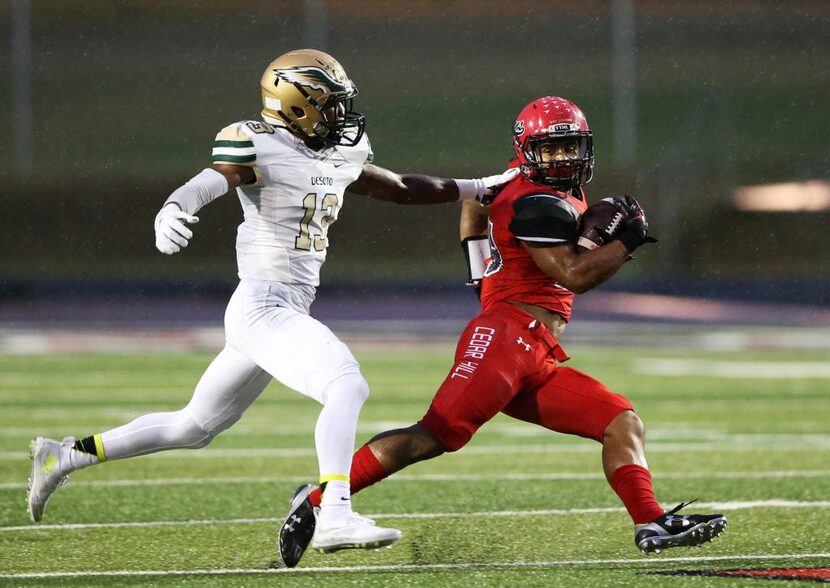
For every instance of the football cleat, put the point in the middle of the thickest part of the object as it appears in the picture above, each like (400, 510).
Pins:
(354, 532)
(298, 528)
(671, 530)
(50, 459)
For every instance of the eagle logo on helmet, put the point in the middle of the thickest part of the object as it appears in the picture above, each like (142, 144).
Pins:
(312, 77)
(309, 93)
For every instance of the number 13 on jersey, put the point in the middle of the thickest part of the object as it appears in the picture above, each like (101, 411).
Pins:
(329, 207)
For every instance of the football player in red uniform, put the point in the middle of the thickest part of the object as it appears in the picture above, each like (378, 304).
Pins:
(509, 358)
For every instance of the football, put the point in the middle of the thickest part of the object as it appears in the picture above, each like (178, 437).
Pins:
(599, 224)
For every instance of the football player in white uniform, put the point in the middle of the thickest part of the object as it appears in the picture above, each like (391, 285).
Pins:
(290, 171)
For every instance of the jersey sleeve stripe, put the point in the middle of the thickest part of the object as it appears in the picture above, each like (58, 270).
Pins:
(232, 154)
(236, 144)
(233, 151)
(542, 239)
(237, 159)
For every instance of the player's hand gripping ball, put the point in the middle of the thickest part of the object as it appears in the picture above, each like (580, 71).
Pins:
(600, 224)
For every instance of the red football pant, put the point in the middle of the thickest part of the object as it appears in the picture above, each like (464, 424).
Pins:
(507, 362)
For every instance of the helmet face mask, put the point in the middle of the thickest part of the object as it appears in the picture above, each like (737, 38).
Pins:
(554, 143)
(309, 93)
(341, 124)
(560, 162)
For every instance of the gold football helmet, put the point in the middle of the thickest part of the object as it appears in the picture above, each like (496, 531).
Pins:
(308, 92)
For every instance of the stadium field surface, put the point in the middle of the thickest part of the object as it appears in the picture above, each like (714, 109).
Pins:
(744, 432)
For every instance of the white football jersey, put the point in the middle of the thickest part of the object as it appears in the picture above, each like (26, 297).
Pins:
(297, 196)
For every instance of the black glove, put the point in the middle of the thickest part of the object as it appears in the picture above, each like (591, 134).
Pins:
(635, 231)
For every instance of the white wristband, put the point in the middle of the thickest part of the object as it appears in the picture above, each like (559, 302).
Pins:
(470, 189)
(201, 189)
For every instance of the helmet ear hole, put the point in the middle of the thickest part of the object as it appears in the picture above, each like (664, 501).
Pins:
(298, 112)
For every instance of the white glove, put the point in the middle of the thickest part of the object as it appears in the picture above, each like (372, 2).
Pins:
(494, 184)
(171, 233)
(485, 190)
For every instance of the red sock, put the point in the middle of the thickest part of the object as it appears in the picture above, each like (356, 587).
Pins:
(632, 483)
(366, 470)
(316, 496)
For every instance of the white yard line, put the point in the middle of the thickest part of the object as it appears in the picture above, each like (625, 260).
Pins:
(717, 506)
(743, 370)
(433, 478)
(120, 380)
(420, 567)
(733, 444)
(296, 427)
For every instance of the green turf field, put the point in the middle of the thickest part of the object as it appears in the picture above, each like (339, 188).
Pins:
(519, 506)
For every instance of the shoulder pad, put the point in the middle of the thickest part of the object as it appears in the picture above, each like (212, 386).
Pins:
(544, 218)
(234, 146)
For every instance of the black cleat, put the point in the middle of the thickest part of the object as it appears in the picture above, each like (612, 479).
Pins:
(677, 531)
(298, 528)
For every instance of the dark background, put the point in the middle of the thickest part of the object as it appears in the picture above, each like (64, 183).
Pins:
(126, 97)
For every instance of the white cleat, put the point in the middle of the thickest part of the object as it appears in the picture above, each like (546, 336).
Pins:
(353, 532)
(49, 461)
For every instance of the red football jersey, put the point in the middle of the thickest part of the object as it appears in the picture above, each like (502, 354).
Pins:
(525, 211)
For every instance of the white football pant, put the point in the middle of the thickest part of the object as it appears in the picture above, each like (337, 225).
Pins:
(265, 337)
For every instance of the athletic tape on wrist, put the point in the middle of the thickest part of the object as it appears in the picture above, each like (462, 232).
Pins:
(470, 189)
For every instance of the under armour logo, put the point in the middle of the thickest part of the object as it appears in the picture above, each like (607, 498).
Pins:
(290, 526)
(520, 341)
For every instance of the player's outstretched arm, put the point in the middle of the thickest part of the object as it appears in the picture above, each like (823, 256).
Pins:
(172, 233)
(383, 184)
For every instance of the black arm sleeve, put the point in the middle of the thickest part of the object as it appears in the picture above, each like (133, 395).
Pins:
(544, 218)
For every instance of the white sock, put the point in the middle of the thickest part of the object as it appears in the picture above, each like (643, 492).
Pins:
(336, 504)
(154, 432)
(336, 426)
(336, 493)
(334, 437)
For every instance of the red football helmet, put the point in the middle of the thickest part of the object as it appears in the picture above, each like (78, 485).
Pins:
(554, 125)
